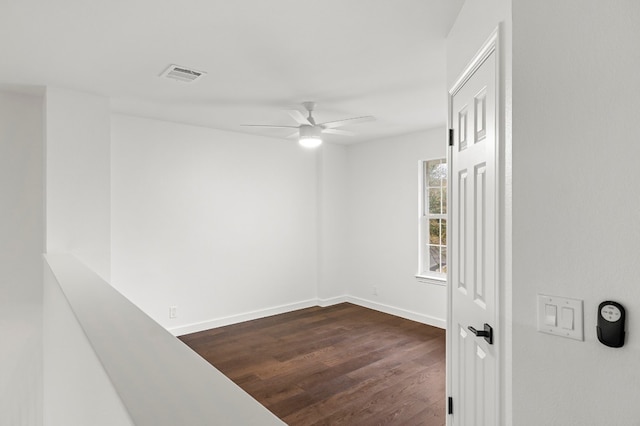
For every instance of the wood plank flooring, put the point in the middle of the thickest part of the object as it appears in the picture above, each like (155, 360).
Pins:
(340, 365)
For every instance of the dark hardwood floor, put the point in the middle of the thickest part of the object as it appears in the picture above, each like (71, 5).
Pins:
(340, 365)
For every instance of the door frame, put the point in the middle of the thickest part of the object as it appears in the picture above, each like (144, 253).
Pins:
(491, 45)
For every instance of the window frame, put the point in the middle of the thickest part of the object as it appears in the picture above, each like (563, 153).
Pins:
(424, 274)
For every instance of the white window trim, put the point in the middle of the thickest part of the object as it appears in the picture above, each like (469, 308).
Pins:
(427, 279)
(423, 226)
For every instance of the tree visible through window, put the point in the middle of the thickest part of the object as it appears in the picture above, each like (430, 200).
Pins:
(433, 223)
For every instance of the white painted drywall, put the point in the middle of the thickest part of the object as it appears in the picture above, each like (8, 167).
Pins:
(218, 224)
(77, 175)
(333, 198)
(383, 226)
(475, 23)
(159, 379)
(576, 99)
(21, 247)
(77, 390)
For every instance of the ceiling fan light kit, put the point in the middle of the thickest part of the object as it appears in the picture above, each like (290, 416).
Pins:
(310, 142)
(309, 132)
(310, 136)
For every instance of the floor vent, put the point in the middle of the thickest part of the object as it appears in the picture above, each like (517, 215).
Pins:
(183, 74)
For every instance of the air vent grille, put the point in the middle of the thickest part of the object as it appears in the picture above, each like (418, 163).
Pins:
(183, 74)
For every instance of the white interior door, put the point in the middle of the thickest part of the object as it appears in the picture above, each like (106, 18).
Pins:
(473, 281)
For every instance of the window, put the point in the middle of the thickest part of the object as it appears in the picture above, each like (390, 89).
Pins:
(433, 219)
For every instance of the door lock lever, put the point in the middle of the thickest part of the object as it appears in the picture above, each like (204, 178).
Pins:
(487, 333)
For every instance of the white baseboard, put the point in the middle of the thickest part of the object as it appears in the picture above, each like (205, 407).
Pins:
(332, 301)
(262, 313)
(247, 316)
(402, 313)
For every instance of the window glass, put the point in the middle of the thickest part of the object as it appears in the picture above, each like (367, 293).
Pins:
(433, 223)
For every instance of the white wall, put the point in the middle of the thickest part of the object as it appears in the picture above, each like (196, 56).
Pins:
(475, 23)
(21, 247)
(221, 225)
(76, 387)
(575, 205)
(383, 226)
(141, 375)
(333, 198)
(77, 172)
(228, 227)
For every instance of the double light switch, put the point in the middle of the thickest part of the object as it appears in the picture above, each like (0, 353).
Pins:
(560, 316)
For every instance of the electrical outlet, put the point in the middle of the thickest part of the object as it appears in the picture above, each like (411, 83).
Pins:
(173, 312)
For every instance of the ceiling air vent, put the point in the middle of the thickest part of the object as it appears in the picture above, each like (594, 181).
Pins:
(183, 74)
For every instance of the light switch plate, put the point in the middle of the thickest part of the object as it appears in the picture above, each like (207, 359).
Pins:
(574, 308)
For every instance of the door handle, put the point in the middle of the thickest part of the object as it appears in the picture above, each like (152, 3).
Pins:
(487, 333)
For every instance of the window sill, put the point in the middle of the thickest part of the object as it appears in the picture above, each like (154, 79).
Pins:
(431, 280)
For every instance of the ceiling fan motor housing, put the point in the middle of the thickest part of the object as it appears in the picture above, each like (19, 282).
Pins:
(308, 132)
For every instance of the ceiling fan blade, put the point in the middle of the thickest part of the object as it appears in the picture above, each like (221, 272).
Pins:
(340, 123)
(295, 135)
(299, 117)
(268, 125)
(338, 132)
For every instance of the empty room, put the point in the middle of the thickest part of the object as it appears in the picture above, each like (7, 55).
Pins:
(356, 212)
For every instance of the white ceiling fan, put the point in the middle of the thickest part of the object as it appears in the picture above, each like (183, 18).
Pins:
(308, 132)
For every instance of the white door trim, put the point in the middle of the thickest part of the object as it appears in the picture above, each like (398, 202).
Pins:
(491, 45)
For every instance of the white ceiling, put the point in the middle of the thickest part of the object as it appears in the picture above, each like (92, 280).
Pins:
(353, 57)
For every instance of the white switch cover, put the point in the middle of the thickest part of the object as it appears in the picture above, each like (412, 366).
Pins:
(569, 316)
(566, 318)
(550, 315)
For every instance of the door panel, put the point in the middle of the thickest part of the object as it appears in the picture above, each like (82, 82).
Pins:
(460, 248)
(474, 382)
(479, 206)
